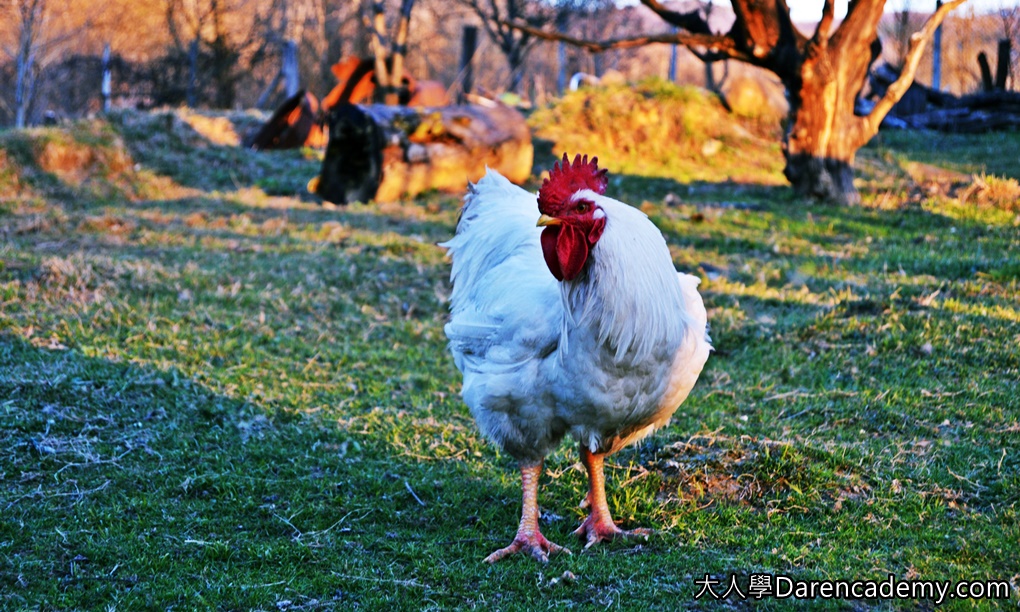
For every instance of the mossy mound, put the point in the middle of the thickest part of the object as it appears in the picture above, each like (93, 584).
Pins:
(87, 158)
(659, 129)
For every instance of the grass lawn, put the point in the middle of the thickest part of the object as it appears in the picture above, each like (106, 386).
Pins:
(214, 393)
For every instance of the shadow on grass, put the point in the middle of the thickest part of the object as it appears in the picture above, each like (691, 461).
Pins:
(408, 218)
(122, 482)
(770, 224)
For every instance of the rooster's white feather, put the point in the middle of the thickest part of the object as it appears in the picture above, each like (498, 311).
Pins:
(607, 356)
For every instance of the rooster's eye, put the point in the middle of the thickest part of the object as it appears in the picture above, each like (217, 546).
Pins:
(582, 208)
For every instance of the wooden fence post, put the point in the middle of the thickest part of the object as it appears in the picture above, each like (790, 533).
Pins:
(467, 54)
(561, 54)
(936, 57)
(290, 70)
(672, 60)
(104, 87)
(986, 72)
(1002, 68)
(191, 95)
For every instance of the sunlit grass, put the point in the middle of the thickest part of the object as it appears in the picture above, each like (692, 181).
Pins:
(657, 129)
(216, 394)
(995, 153)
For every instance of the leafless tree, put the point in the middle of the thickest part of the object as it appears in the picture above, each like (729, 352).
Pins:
(1010, 18)
(896, 33)
(590, 18)
(224, 30)
(498, 15)
(32, 16)
(389, 53)
(823, 74)
(34, 34)
(281, 29)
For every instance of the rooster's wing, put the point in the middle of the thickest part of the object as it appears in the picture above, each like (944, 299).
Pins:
(505, 318)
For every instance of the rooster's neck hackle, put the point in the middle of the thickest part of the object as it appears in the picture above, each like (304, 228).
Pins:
(628, 292)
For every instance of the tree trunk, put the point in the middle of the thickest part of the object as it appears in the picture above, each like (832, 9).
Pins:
(398, 52)
(290, 69)
(23, 88)
(823, 75)
(383, 91)
(515, 58)
(820, 142)
(824, 134)
(222, 58)
(826, 178)
(223, 61)
(30, 14)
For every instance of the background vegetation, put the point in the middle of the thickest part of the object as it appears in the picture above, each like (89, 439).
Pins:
(239, 48)
(214, 393)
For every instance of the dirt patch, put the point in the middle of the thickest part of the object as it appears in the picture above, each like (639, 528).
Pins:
(74, 162)
(751, 471)
(71, 162)
(107, 224)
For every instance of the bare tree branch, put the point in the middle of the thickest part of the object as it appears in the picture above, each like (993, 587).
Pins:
(724, 46)
(765, 25)
(496, 15)
(824, 29)
(399, 48)
(860, 23)
(693, 22)
(710, 56)
(494, 33)
(917, 44)
(376, 25)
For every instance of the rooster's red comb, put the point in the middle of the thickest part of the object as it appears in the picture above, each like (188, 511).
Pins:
(566, 178)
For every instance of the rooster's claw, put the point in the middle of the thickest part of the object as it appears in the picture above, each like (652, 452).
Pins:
(593, 531)
(533, 544)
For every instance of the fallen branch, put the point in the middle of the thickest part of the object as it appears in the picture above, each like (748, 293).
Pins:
(413, 494)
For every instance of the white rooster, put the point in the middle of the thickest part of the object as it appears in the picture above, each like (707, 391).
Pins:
(581, 328)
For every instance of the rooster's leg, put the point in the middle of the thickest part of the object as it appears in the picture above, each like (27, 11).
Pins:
(599, 525)
(529, 539)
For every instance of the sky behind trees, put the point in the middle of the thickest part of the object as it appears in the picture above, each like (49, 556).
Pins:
(811, 10)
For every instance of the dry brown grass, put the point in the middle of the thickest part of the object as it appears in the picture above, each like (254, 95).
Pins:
(659, 129)
(759, 473)
(218, 131)
(74, 162)
(86, 159)
(994, 191)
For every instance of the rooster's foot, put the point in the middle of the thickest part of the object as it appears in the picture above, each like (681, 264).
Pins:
(533, 544)
(593, 530)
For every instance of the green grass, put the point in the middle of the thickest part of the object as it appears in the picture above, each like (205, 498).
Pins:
(995, 153)
(212, 396)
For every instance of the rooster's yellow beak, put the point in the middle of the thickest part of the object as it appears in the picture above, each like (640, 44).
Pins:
(545, 220)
